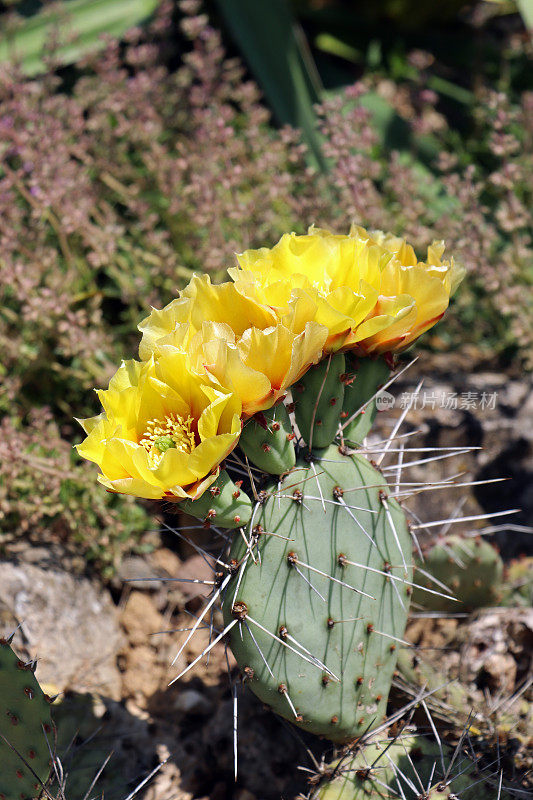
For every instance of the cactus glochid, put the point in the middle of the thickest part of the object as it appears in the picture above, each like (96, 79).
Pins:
(25, 729)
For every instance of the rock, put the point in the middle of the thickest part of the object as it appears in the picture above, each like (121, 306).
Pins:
(142, 673)
(167, 783)
(67, 623)
(165, 561)
(138, 573)
(498, 649)
(192, 702)
(244, 794)
(140, 618)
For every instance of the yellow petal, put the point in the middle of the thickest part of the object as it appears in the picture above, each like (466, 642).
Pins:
(174, 470)
(165, 397)
(133, 486)
(168, 325)
(339, 281)
(211, 452)
(223, 303)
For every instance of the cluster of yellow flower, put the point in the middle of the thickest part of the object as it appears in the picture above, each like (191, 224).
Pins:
(220, 353)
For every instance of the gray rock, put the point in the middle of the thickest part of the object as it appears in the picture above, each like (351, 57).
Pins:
(192, 702)
(139, 574)
(67, 623)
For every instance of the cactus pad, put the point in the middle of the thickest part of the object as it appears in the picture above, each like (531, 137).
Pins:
(322, 605)
(412, 767)
(471, 568)
(369, 375)
(318, 399)
(25, 723)
(224, 504)
(518, 583)
(266, 440)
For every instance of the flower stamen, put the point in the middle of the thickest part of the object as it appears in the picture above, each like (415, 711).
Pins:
(174, 432)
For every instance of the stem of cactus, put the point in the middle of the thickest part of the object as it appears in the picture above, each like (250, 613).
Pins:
(321, 602)
(368, 376)
(266, 440)
(318, 400)
(25, 724)
(224, 504)
(471, 568)
(412, 767)
(318, 580)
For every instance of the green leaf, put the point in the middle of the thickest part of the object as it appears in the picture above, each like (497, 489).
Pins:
(87, 20)
(277, 54)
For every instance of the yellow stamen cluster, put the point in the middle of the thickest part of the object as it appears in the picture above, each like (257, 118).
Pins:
(160, 436)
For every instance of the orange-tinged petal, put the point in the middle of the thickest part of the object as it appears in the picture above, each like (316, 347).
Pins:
(339, 281)
(427, 290)
(196, 490)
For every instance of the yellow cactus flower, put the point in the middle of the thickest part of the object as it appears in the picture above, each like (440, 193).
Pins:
(199, 301)
(239, 341)
(430, 284)
(164, 430)
(260, 365)
(368, 289)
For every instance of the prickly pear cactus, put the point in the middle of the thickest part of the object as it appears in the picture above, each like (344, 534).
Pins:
(319, 398)
(321, 604)
(318, 593)
(471, 568)
(413, 767)
(314, 550)
(363, 381)
(25, 727)
(518, 583)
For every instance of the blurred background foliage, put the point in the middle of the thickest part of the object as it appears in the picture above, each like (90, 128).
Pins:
(142, 140)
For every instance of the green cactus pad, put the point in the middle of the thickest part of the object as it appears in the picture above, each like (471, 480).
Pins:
(518, 583)
(224, 504)
(266, 440)
(412, 767)
(471, 568)
(417, 674)
(318, 399)
(25, 724)
(369, 374)
(351, 634)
